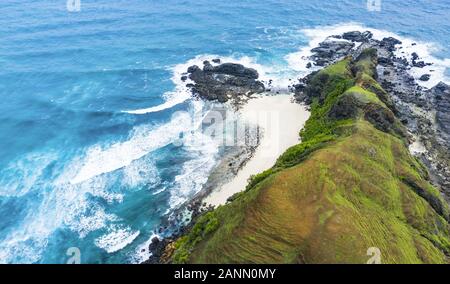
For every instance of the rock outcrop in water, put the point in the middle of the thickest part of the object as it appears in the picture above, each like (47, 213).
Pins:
(223, 82)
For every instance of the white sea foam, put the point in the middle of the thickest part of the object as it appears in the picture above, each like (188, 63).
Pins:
(100, 160)
(162, 189)
(202, 150)
(425, 51)
(179, 95)
(21, 249)
(65, 205)
(19, 177)
(116, 239)
(298, 60)
(140, 172)
(142, 253)
(61, 206)
(89, 223)
(172, 99)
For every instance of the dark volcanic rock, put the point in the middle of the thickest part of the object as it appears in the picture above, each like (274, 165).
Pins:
(225, 81)
(441, 93)
(332, 50)
(415, 63)
(357, 36)
(157, 247)
(329, 51)
(419, 64)
(389, 43)
(415, 105)
(193, 69)
(425, 77)
(367, 35)
(384, 61)
(207, 67)
(353, 36)
(237, 70)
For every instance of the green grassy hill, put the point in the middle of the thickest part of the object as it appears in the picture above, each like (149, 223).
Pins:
(350, 185)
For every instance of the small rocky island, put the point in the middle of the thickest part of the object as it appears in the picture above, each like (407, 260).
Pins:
(223, 82)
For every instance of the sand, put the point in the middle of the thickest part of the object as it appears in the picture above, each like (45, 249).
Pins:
(280, 120)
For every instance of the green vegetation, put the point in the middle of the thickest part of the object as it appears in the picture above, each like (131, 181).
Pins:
(204, 225)
(363, 96)
(366, 64)
(350, 185)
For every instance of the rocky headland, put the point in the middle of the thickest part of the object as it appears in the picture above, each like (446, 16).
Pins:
(352, 183)
(425, 113)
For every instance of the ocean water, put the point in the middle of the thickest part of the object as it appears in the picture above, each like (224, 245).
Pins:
(92, 106)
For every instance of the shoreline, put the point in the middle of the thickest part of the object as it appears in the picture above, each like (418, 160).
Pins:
(392, 70)
(238, 164)
(281, 120)
(365, 134)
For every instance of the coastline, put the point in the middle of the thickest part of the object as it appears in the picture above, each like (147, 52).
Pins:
(285, 117)
(263, 157)
(280, 119)
(110, 151)
(291, 203)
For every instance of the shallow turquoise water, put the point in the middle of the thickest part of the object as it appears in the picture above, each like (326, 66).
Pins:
(77, 171)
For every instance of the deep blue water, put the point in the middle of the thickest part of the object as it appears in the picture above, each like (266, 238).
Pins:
(77, 171)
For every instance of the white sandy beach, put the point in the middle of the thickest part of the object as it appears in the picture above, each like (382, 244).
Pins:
(281, 121)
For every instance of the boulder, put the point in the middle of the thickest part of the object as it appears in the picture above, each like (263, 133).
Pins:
(389, 43)
(225, 81)
(157, 247)
(425, 77)
(330, 50)
(357, 36)
(237, 70)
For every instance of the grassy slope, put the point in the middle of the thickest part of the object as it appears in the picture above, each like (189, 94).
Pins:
(347, 187)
